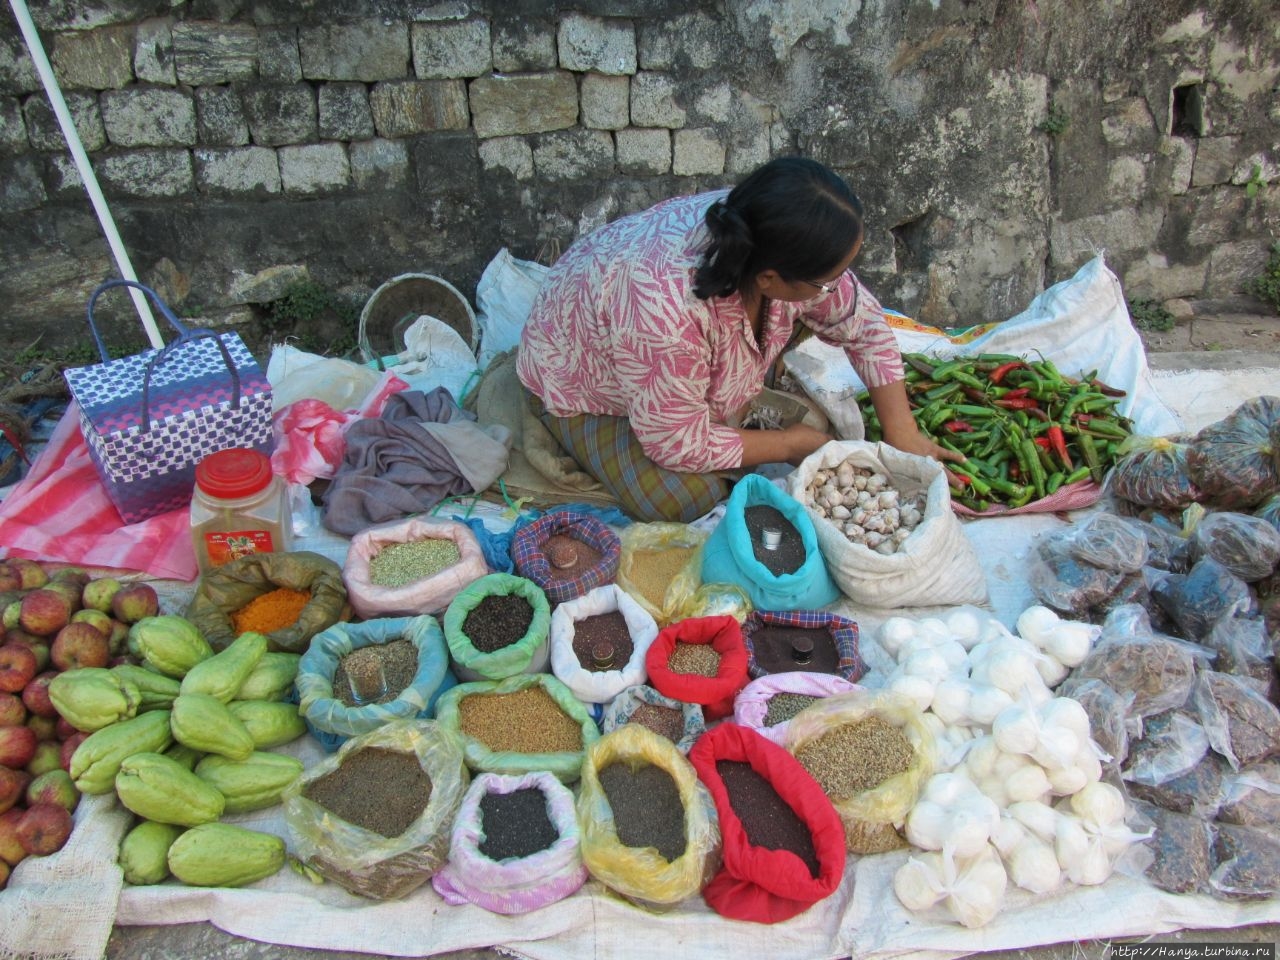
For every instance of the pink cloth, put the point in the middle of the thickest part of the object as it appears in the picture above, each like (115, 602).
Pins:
(616, 330)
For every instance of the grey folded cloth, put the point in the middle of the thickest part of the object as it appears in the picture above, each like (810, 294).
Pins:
(422, 449)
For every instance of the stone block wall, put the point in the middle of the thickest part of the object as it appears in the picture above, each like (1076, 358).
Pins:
(996, 146)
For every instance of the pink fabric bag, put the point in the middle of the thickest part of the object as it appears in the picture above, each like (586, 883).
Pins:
(752, 702)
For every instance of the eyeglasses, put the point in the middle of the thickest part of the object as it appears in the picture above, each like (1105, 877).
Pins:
(830, 286)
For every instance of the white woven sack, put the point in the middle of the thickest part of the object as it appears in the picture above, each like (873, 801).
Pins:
(936, 565)
(599, 687)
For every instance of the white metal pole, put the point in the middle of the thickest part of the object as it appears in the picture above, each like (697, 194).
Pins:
(82, 164)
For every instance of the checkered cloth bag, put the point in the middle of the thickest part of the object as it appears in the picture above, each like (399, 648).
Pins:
(844, 634)
(150, 418)
(532, 563)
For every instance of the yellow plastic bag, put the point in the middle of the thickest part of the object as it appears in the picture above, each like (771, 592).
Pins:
(871, 818)
(365, 862)
(642, 543)
(641, 874)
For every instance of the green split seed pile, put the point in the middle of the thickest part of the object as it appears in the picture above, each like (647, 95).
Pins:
(398, 564)
(857, 756)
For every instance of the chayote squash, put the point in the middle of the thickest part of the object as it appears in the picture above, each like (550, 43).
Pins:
(157, 690)
(205, 723)
(97, 760)
(252, 784)
(270, 723)
(223, 855)
(271, 678)
(91, 698)
(170, 643)
(157, 788)
(184, 755)
(144, 852)
(221, 675)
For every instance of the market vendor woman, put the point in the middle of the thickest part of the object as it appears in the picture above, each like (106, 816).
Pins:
(651, 335)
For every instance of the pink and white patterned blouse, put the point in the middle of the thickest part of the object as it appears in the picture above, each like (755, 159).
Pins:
(616, 330)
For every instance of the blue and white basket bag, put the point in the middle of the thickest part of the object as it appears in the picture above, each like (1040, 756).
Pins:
(150, 418)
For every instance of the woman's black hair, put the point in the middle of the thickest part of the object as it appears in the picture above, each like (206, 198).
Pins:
(792, 215)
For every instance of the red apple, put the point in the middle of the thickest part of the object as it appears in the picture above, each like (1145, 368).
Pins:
(68, 748)
(79, 645)
(55, 787)
(29, 572)
(36, 695)
(69, 590)
(135, 601)
(44, 828)
(46, 728)
(37, 645)
(10, 578)
(119, 638)
(97, 594)
(48, 757)
(17, 746)
(13, 712)
(13, 784)
(44, 612)
(11, 851)
(64, 729)
(18, 665)
(95, 618)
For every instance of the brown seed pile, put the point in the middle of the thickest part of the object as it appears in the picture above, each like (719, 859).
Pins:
(527, 721)
(398, 660)
(664, 721)
(498, 621)
(569, 557)
(653, 570)
(696, 658)
(774, 646)
(783, 706)
(610, 628)
(856, 756)
(398, 564)
(381, 790)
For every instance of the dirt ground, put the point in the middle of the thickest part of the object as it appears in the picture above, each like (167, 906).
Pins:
(1217, 326)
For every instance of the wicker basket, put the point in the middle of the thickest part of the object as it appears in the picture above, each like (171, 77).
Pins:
(395, 305)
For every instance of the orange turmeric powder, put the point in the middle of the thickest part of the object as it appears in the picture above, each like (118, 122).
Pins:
(271, 611)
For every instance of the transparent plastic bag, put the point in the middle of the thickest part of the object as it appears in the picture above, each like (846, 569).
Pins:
(1166, 550)
(598, 686)
(1061, 581)
(367, 863)
(1247, 863)
(618, 712)
(1111, 725)
(1197, 792)
(1197, 600)
(1109, 542)
(1171, 744)
(1269, 510)
(431, 594)
(867, 815)
(716, 600)
(1183, 848)
(1249, 547)
(1251, 797)
(1129, 656)
(641, 542)
(641, 874)
(751, 706)
(1242, 724)
(326, 714)
(1244, 650)
(566, 765)
(1152, 472)
(529, 654)
(1235, 462)
(513, 885)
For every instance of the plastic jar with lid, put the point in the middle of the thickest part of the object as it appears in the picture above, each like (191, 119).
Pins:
(238, 507)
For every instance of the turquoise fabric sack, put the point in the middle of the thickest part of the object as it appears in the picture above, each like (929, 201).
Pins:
(729, 557)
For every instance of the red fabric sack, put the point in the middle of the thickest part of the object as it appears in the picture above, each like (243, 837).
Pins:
(715, 694)
(756, 883)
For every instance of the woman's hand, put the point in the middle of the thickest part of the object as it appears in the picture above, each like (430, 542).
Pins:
(913, 441)
(899, 426)
(780, 446)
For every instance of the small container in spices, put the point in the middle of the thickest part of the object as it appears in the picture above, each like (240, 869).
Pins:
(239, 507)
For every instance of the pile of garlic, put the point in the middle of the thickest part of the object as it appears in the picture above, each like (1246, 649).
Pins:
(864, 506)
(1018, 797)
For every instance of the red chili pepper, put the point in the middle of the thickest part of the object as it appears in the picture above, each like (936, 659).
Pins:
(1041, 442)
(1001, 371)
(1017, 393)
(957, 426)
(974, 394)
(1106, 390)
(1018, 403)
(957, 479)
(1058, 445)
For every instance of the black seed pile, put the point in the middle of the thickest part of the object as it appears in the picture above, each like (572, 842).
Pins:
(498, 621)
(788, 557)
(647, 811)
(767, 819)
(515, 824)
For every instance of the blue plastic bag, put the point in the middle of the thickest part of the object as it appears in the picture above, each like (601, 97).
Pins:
(729, 556)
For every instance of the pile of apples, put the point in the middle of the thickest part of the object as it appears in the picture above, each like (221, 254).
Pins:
(50, 620)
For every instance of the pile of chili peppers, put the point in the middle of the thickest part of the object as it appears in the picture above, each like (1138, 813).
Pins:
(1025, 429)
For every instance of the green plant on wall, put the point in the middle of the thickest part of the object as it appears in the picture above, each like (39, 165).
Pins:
(299, 311)
(1150, 314)
(1055, 122)
(1267, 284)
(1255, 183)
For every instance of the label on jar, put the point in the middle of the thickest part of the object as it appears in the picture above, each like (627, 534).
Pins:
(223, 547)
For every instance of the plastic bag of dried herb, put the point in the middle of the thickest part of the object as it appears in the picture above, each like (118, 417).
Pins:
(871, 751)
(1247, 546)
(1235, 462)
(1251, 797)
(642, 874)
(766, 705)
(519, 725)
(410, 567)
(231, 587)
(361, 859)
(641, 701)
(1246, 862)
(661, 567)
(572, 664)
(330, 717)
(515, 883)
(1242, 724)
(488, 657)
